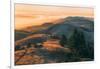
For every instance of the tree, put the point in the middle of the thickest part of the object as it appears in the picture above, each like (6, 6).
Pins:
(77, 42)
(63, 40)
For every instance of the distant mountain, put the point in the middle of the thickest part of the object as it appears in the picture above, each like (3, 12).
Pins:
(20, 34)
(47, 24)
(37, 28)
(68, 24)
(65, 27)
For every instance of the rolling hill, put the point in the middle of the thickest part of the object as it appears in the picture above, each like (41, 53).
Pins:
(47, 37)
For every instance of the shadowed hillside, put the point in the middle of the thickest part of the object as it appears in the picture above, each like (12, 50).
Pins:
(68, 40)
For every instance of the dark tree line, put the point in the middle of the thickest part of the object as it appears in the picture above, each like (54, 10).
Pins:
(77, 44)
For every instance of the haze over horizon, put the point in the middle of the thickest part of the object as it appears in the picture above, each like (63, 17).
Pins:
(31, 15)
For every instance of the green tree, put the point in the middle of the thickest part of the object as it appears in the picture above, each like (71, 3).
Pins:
(77, 42)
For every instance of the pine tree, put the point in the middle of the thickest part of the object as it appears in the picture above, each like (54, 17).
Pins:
(77, 42)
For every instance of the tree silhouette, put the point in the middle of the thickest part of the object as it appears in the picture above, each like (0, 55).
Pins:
(63, 40)
(77, 42)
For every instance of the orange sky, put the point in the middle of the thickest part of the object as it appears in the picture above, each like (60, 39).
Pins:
(28, 15)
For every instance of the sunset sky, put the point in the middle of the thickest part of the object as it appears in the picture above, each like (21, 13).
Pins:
(28, 15)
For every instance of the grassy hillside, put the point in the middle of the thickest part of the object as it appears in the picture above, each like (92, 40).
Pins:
(19, 34)
(68, 40)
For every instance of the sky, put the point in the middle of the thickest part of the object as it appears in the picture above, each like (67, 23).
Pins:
(31, 15)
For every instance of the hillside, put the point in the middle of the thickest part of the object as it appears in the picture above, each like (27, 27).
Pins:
(68, 40)
(68, 24)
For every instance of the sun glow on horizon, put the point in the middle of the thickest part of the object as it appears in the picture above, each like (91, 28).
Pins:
(28, 15)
